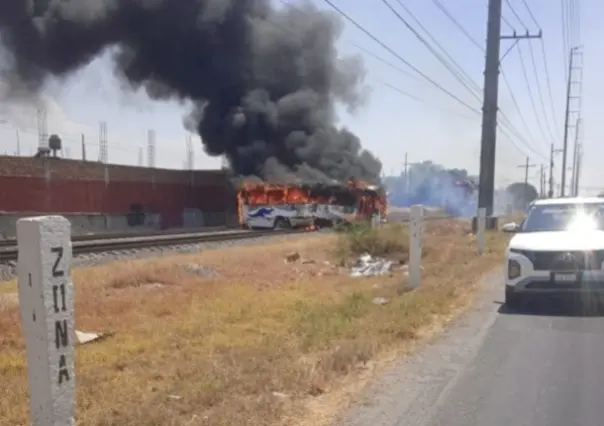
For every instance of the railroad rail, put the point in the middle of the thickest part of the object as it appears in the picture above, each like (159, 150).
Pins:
(9, 242)
(104, 244)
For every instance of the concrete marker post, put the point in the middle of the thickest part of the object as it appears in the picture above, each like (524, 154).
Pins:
(47, 320)
(481, 229)
(415, 245)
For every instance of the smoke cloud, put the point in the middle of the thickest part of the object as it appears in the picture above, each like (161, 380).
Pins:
(264, 80)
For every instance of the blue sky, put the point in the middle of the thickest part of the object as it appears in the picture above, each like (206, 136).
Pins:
(389, 123)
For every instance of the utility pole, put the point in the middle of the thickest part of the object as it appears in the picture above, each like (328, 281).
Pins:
(151, 148)
(573, 175)
(553, 152)
(18, 143)
(488, 138)
(542, 181)
(83, 148)
(103, 144)
(406, 168)
(569, 96)
(526, 168)
(578, 173)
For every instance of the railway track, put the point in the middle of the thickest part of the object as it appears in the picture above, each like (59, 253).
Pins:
(98, 243)
(108, 244)
(10, 242)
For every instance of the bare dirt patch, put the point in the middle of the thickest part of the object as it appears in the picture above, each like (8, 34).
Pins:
(244, 336)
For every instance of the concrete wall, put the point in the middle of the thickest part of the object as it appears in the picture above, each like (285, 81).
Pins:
(83, 223)
(98, 197)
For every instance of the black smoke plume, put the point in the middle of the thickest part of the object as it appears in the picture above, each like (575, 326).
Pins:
(264, 80)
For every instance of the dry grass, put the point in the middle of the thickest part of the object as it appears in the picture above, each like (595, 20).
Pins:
(253, 345)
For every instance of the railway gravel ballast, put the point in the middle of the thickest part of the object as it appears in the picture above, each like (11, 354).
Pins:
(104, 244)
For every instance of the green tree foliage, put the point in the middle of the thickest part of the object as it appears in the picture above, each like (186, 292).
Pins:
(520, 193)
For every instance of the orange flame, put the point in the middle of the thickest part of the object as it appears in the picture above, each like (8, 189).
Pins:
(368, 199)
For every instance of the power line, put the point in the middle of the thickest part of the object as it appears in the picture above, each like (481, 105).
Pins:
(505, 121)
(515, 102)
(444, 10)
(456, 73)
(547, 77)
(530, 93)
(549, 90)
(565, 36)
(410, 65)
(381, 59)
(508, 124)
(540, 93)
(420, 100)
(531, 14)
(516, 14)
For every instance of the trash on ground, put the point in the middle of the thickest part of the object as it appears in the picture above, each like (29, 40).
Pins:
(83, 338)
(368, 266)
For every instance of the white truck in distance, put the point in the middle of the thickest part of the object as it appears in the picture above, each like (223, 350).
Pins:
(558, 249)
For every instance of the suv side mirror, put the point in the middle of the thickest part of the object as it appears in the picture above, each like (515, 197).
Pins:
(510, 228)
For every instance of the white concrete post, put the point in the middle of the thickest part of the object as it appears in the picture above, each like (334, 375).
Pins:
(415, 245)
(480, 229)
(46, 303)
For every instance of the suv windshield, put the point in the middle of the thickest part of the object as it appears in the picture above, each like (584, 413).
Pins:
(563, 217)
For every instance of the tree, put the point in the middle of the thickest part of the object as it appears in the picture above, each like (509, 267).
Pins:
(520, 194)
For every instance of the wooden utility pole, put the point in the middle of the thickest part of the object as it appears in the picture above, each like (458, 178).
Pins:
(526, 168)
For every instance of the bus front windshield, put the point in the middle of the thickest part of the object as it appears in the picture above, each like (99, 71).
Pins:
(564, 217)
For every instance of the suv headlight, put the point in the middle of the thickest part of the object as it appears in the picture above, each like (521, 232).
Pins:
(514, 270)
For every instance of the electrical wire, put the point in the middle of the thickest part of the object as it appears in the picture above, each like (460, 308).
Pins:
(530, 93)
(565, 37)
(531, 13)
(504, 120)
(549, 90)
(388, 63)
(540, 93)
(556, 131)
(410, 65)
(516, 14)
(460, 27)
(420, 100)
(459, 74)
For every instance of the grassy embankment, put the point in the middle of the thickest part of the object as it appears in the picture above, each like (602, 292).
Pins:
(261, 341)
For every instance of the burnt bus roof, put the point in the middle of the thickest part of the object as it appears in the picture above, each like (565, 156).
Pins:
(319, 187)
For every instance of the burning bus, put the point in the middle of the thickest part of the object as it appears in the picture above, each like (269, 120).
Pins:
(268, 205)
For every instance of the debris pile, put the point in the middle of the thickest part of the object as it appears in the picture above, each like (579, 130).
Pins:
(368, 266)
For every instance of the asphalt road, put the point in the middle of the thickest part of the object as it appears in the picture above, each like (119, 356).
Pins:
(543, 366)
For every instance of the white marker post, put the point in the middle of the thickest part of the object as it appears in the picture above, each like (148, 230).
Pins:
(480, 229)
(415, 245)
(46, 302)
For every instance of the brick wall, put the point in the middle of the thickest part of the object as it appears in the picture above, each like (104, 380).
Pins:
(69, 186)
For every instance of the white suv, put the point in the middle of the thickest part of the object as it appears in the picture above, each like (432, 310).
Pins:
(558, 248)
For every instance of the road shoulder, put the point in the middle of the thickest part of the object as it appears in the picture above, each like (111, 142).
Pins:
(413, 388)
